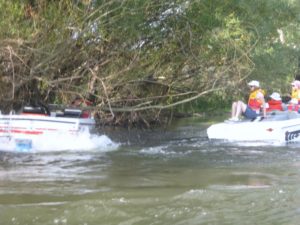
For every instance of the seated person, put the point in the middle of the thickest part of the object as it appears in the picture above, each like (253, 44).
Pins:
(296, 90)
(293, 105)
(274, 103)
(256, 104)
(79, 102)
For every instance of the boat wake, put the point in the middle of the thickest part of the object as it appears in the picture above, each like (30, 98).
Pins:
(217, 142)
(49, 142)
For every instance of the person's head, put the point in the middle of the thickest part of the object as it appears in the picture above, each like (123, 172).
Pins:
(77, 101)
(294, 101)
(295, 84)
(275, 96)
(286, 99)
(254, 84)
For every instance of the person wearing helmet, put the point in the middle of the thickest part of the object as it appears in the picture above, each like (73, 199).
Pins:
(255, 105)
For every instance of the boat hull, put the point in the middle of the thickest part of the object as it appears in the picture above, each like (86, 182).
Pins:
(268, 130)
(25, 132)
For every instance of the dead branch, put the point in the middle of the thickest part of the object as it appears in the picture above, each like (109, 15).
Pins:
(161, 107)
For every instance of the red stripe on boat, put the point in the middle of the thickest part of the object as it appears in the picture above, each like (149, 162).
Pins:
(22, 131)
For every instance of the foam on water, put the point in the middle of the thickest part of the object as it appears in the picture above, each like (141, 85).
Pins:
(163, 150)
(155, 150)
(247, 143)
(238, 187)
(63, 142)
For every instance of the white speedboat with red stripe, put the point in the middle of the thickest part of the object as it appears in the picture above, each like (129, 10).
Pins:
(22, 131)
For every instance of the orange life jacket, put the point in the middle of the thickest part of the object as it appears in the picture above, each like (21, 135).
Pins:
(253, 102)
(274, 105)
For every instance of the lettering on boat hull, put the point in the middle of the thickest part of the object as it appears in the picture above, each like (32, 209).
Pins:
(289, 136)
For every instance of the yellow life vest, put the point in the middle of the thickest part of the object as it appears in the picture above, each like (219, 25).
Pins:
(296, 94)
(253, 101)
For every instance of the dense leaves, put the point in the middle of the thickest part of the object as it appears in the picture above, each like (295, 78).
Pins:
(137, 59)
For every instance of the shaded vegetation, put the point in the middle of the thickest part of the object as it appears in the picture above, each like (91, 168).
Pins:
(142, 61)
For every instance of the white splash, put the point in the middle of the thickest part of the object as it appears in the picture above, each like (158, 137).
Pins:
(61, 142)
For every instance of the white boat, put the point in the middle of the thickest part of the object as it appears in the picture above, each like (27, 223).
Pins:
(23, 131)
(278, 127)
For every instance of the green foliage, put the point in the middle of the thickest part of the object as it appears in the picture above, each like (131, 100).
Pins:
(12, 20)
(154, 53)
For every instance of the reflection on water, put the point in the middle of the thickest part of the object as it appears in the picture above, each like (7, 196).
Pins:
(156, 177)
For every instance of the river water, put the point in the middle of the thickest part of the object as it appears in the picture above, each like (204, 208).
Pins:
(174, 176)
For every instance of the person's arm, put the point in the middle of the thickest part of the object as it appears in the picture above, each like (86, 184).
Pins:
(261, 97)
(264, 107)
